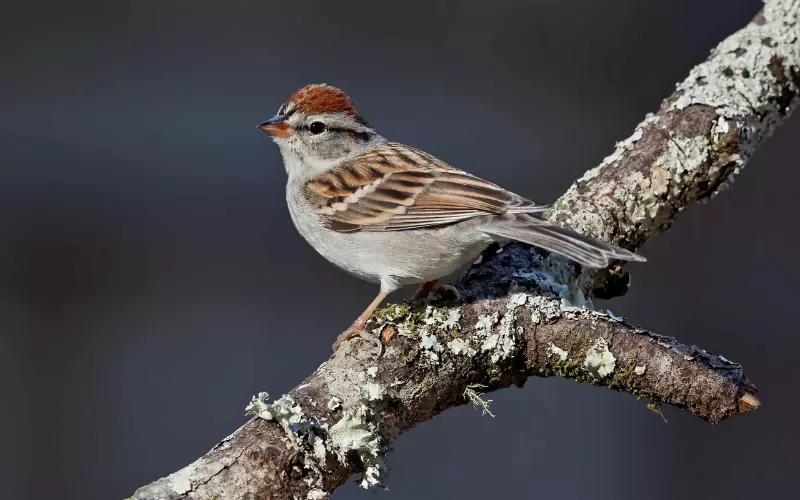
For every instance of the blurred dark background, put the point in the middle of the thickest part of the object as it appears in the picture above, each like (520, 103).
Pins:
(151, 280)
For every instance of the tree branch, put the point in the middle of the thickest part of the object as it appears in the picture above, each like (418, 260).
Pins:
(523, 312)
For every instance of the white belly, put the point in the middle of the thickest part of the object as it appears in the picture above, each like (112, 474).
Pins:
(393, 258)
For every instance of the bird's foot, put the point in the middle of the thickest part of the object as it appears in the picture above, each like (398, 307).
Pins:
(433, 287)
(446, 291)
(358, 330)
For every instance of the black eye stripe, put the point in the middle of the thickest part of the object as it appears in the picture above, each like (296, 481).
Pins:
(361, 135)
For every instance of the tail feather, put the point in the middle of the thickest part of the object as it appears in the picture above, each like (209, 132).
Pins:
(584, 250)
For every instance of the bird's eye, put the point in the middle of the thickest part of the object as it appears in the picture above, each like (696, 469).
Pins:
(316, 128)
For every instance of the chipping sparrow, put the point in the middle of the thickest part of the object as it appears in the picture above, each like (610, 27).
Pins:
(394, 215)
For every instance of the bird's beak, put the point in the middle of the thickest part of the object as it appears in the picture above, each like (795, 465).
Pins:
(277, 127)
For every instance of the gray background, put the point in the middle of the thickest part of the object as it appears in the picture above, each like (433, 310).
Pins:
(151, 280)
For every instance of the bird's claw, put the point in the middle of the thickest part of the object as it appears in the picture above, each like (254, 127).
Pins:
(433, 287)
(361, 332)
(444, 290)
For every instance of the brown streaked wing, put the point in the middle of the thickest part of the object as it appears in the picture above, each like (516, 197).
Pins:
(395, 187)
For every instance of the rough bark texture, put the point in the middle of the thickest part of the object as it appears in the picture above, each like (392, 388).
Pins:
(524, 313)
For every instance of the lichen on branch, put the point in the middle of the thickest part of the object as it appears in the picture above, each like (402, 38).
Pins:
(525, 313)
(700, 138)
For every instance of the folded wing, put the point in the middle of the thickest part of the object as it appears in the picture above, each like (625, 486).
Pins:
(395, 187)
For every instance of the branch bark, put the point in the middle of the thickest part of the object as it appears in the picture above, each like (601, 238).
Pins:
(523, 312)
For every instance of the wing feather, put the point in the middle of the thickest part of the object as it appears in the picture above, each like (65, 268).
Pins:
(395, 187)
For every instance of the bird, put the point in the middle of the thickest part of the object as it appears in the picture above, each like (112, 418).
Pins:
(394, 215)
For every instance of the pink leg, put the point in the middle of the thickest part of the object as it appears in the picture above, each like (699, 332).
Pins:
(359, 325)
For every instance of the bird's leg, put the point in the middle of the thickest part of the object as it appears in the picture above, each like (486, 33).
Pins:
(434, 287)
(359, 325)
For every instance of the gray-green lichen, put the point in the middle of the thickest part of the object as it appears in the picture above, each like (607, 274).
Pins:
(554, 277)
(599, 361)
(552, 274)
(683, 157)
(316, 494)
(429, 346)
(502, 343)
(442, 317)
(299, 431)
(476, 398)
(285, 411)
(453, 317)
(621, 147)
(484, 325)
(554, 350)
(499, 342)
(744, 80)
(400, 315)
(736, 79)
(371, 392)
(574, 298)
(184, 480)
(560, 291)
(461, 346)
(355, 433)
(751, 81)
(436, 319)
(544, 309)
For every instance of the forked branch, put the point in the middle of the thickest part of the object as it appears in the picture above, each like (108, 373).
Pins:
(524, 313)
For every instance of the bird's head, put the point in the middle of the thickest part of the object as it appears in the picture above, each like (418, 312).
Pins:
(317, 128)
